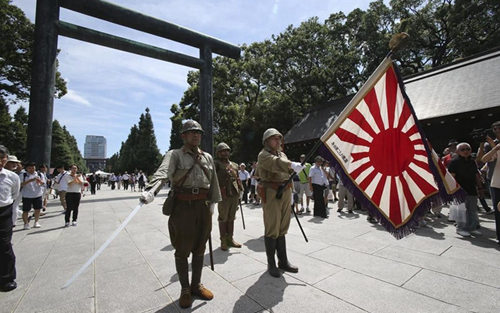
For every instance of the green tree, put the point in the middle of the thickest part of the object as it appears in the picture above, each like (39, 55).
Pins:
(6, 135)
(75, 155)
(148, 155)
(128, 153)
(139, 151)
(19, 128)
(16, 50)
(276, 82)
(175, 134)
(61, 153)
(112, 164)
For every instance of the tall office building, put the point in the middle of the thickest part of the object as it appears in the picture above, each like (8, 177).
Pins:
(94, 152)
(95, 147)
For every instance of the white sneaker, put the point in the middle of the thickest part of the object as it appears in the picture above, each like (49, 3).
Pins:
(66, 225)
(37, 225)
(27, 226)
(463, 233)
(476, 233)
(74, 223)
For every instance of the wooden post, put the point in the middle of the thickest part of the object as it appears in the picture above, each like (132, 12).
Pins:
(43, 75)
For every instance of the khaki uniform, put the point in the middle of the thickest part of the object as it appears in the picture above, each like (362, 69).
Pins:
(190, 222)
(273, 170)
(194, 181)
(230, 186)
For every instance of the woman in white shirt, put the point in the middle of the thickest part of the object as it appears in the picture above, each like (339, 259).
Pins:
(73, 195)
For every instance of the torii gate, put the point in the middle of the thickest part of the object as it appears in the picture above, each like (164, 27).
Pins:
(47, 29)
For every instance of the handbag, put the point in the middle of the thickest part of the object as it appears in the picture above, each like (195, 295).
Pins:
(168, 205)
(461, 214)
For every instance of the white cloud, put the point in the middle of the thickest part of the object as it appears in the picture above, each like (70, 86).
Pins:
(73, 96)
(275, 7)
(112, 88)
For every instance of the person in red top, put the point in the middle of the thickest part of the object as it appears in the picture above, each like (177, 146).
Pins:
(452, 147)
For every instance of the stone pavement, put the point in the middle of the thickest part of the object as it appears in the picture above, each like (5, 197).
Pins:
(348, 265)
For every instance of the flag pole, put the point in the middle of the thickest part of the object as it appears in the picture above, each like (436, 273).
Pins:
(242, 217)
(281, 188)
(397, 42)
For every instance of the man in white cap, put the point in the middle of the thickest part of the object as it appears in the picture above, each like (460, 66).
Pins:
(244, 176)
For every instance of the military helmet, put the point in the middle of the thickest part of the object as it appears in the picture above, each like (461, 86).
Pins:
(222, 146)
(269, 133)
(191, 125)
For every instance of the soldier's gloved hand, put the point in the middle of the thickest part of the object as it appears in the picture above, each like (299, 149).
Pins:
(147, 197)
(297, 167)
(212, 207)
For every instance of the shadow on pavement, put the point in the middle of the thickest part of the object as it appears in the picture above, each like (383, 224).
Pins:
(316, 220)
(168, 247)
(256, 244)
(220, 257)
(347, 216)
(45, 230)
(267, 291)
(173, 307)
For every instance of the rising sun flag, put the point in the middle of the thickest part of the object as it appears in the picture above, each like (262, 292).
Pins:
(383, 157)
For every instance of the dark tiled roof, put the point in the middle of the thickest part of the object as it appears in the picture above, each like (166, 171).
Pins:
(463, 86)
(316, 122)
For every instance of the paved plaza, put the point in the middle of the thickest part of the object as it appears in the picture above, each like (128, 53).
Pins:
(348, 265)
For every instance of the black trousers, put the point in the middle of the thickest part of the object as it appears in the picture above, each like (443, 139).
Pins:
(319, 200)
(92, 188)
(7, 257)
(73, 202)
(245, 190)
(495, 198)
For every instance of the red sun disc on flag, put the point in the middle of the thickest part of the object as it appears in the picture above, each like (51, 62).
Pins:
(381, 150)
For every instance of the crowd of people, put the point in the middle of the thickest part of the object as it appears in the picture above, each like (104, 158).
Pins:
(200, 182)
(26, 187)
(128, 181)
(477, 173)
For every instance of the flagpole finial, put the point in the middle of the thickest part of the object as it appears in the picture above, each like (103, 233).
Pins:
(398, 41)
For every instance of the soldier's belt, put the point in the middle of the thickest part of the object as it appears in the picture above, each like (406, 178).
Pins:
(189, 194)
(276, 185)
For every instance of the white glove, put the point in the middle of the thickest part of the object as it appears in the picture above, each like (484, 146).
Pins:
(212, 207)
(147, 197)
(297, 167)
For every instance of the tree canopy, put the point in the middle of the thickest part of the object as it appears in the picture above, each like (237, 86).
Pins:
(139, 151)
(277, 81)
(16, 51)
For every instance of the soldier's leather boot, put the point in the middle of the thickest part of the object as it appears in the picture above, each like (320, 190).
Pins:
(282, 258)
(197, 289)
(230, 231)
(181, 265)
(271, 262)
(223, 236)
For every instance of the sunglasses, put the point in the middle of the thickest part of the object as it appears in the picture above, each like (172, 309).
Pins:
(465, 149)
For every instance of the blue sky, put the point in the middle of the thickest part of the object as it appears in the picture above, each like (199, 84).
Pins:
(109, 89)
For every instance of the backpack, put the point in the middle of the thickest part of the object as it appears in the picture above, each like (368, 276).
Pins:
(25, 174)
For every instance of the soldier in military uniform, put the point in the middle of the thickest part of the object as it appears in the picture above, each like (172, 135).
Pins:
(192, 174)
(274, 169)
(230, 187)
